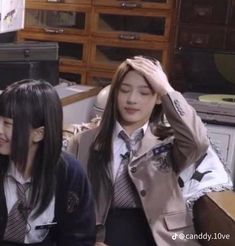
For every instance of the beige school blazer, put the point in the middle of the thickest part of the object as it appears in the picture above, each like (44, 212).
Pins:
(154, 172)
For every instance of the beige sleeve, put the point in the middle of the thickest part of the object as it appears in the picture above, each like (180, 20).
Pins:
(191, 141)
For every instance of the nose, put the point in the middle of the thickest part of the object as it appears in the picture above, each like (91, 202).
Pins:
(132, 97)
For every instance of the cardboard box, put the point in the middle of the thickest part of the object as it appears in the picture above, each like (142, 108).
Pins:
(11, 15)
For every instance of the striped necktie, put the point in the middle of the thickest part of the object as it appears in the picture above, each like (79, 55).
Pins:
(125, 195)
(17, 217)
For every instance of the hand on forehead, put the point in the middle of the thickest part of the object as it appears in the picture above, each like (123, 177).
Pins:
(141, 63)
(153, 72)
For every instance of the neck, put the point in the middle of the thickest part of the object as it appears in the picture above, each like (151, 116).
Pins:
(130, 128)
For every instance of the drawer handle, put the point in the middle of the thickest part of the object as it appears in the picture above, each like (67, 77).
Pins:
(128, 36)
(198, 41)
(54, 30)
(55, 1)
(130, 5)
(201, 13)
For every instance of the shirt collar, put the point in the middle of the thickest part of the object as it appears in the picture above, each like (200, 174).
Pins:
(119, 128)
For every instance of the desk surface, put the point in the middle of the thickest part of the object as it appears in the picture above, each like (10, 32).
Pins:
(225, 200)
(74, 93)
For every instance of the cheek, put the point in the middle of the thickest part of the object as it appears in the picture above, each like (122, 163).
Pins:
(8, 133)
(150, 101)
(149, 105)
(120, 99)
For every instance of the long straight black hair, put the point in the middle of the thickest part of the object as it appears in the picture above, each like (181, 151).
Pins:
(32, 104)
(100, 153)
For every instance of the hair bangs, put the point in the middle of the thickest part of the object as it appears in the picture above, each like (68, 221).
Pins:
(8, 105)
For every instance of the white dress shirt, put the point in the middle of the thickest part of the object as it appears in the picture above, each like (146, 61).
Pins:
(10, 189)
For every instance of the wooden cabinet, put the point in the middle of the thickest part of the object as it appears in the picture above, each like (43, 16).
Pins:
(148, 4)
(66, 23)
(94, 36)
(203, 25)
(207, 24)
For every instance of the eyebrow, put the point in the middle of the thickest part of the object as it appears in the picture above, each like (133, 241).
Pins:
(141, 86)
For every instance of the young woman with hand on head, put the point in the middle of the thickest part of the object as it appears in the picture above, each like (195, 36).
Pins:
(45, 197)
(133, 172)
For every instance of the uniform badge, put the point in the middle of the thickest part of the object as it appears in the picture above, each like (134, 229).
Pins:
(72, 202)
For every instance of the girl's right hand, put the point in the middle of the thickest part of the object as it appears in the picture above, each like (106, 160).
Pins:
(153, 73)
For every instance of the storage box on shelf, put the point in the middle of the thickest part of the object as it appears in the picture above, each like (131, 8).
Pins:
(95, 36)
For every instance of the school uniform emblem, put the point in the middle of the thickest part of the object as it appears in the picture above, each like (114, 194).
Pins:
(72, 202)
(160, 158)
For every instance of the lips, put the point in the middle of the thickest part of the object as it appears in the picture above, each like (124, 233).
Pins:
(131, 110)
(3, 141)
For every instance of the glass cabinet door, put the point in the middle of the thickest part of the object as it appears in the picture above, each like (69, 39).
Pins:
(128, 25)
(110, 55)
(49, 19)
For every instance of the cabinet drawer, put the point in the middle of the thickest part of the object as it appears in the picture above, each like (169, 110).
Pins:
(230, 44)
(72, 49)
(106, 54)
(201, 36)
(68, 19)
(204, 11)
(99, 78)
(61, 1)
(152, 4)
(122, 24)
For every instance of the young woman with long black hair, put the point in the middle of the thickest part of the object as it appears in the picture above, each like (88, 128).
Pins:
(45, 197)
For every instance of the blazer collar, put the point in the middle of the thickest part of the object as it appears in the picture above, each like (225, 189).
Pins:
(148, 142)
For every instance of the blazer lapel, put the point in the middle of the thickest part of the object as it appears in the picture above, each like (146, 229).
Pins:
(148, 142)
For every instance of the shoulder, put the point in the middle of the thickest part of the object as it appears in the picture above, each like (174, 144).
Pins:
(71, 167)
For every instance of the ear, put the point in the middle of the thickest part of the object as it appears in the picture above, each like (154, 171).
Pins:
(38, 134)
(158, 100)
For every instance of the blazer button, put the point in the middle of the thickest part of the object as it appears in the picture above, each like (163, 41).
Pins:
(133, 169)
(143, 192)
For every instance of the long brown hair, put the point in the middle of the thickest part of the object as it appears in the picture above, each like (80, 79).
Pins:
(101, 150)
